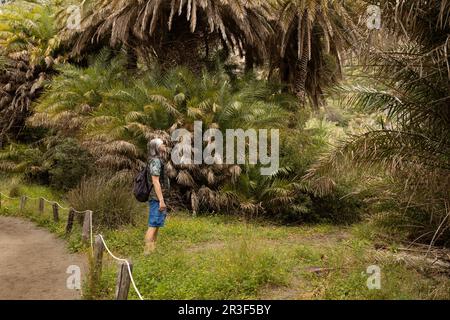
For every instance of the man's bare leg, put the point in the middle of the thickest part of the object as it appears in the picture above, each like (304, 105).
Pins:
(150, 240)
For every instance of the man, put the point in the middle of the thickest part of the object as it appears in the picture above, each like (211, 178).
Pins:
(157, 206)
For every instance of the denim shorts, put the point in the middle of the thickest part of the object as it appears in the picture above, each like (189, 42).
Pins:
(156, 218)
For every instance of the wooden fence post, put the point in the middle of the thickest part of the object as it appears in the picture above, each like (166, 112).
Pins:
(70, 219)
(123, 281)
(79, 218)
(55, 212)
(41, 205)
(98, 257)
(85, 234)
(23, 201)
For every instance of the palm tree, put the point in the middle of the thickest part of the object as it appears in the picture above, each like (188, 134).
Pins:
(27, 42)
(413, 92)
(76, 92)
(313, 36)
(173, 31)
(114, 116)
(188, 32)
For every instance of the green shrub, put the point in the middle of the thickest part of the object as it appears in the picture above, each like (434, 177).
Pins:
(15, 191)
(336, 209)
(67, 164)
(112, 203)
(59, 163)
(410, 224)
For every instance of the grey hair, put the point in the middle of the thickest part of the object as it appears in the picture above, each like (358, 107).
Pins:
(153, 147)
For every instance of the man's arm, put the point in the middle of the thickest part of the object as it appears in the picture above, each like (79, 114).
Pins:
(159, 194)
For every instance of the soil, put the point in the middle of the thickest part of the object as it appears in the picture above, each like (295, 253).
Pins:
(34, 262)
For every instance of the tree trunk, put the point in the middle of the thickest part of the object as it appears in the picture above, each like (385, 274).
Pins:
(206, 47)
(249, 59)
(285, 74)
(301, 74)
(131, 59)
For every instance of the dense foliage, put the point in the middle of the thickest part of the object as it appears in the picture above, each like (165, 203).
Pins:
(411, 87)
(113, 115)
(78, 106)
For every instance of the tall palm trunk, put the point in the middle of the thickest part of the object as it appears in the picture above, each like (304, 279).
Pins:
(303, 57)
(249, 59)
(132, 59)
(301, 74)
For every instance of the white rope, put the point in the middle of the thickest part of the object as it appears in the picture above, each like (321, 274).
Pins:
(128, 266)
(60, 206)
(48, 201)
(31, 198)
(91, 238)
(52, 202)
(80, 211)
(12, 198)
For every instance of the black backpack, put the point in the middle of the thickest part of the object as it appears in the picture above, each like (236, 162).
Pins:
(142, 187)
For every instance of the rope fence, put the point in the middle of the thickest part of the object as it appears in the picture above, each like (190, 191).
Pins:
(125, 274)
(121, 282)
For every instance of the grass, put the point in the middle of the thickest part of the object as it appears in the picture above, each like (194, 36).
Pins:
(15, 188)
(217, 257)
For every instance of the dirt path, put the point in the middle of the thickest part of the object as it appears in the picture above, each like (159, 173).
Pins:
(33, 263)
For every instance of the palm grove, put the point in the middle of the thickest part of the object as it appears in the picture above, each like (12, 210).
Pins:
(78, 105)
